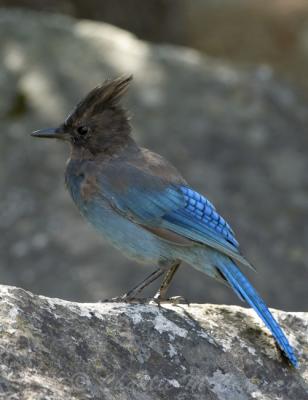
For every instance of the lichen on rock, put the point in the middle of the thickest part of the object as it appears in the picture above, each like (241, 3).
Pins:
(55, 349)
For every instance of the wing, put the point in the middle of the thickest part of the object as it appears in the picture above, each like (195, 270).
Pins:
(163, 206)
(199, 218)
(199, 221)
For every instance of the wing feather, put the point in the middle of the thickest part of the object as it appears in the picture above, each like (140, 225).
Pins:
(160, 206)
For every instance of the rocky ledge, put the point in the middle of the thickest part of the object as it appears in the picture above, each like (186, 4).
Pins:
(55, 349)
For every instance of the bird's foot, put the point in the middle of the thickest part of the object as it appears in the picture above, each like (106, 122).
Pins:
(157, 299)
(118, 299)
(128, 299)
(178, 300)
(175, 300)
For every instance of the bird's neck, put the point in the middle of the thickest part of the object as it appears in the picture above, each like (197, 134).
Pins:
(112, 151)
(80, 153)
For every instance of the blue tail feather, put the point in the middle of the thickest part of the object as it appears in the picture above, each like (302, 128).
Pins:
(245, 290)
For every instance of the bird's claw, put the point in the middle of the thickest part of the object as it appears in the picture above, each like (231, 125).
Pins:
(175, 300)
(147, 300)
(118, 299)
(127, 299)
(179, 300)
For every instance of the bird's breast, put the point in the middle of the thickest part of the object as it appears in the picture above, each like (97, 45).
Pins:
(81, 184)
(132, 239)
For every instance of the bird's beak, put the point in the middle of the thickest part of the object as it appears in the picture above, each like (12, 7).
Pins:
(50, 133)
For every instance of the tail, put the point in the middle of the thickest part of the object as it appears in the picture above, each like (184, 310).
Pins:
(245, 290)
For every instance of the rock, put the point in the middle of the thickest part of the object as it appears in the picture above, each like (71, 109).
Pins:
(54, 349)
(238, 136)
(244, 32)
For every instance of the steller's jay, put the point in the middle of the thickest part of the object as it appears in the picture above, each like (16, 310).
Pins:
(142, 205)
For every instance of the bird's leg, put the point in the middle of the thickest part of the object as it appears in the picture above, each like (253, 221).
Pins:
(142, 285)
(160, 295)
(132, 294)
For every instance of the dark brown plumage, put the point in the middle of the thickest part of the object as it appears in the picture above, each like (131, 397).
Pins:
(99, 124)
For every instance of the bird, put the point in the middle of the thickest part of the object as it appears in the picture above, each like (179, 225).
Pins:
(142, 205)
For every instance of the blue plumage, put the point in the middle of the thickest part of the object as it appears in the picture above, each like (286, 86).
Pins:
(202, 209)
(245, 290)
(143, 206)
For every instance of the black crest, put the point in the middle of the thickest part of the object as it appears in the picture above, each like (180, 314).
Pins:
(106, 95)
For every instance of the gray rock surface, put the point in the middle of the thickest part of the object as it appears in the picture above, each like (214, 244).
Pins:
(238, 136)
(53, 349)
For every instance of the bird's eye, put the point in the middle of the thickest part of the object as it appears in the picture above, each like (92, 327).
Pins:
(82, 130)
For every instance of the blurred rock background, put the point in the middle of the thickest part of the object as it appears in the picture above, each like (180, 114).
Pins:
(230, 113)
(243, 31)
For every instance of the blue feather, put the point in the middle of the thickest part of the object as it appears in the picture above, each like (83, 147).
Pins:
(205, 211)
(199, 221)
(176, 208)
(245, 290)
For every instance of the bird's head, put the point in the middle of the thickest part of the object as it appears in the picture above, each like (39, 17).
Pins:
(98, 123)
